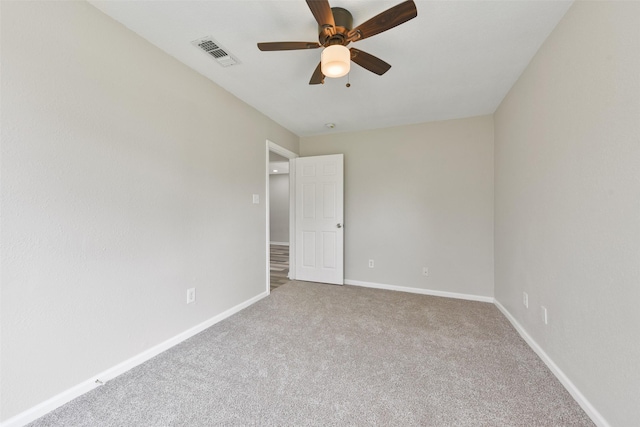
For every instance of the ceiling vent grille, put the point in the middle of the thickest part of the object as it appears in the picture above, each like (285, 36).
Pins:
(213, 48)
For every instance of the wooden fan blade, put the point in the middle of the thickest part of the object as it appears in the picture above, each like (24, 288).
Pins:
(271, 46)
(322, 12)
(317, 78)
(368, 61)
(388, 19)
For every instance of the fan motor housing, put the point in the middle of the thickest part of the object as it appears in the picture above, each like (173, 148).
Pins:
(344, 23)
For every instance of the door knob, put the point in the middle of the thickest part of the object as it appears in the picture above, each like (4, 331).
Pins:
(339, 225)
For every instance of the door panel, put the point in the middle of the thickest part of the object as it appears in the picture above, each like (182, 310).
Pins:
(309, 201)
(319, 219)
(329, 247)
(329, 194)
(308, 249)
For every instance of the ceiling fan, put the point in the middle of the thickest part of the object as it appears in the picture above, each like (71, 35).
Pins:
(335, 26)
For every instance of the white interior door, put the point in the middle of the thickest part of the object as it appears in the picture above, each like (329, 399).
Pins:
(319, 232)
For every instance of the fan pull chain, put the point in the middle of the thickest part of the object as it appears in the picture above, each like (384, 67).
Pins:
(348, 84)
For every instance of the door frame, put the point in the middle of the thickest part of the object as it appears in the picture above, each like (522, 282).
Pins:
(272, 146)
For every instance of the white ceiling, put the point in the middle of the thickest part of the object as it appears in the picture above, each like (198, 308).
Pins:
(278, 164)
(456, 59)
(278, 168)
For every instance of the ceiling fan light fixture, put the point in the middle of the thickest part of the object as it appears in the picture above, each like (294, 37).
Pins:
(336, 61)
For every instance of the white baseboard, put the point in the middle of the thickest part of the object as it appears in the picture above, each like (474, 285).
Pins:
(418, 291)
(592, 412)
(66, 396)
(279, 243)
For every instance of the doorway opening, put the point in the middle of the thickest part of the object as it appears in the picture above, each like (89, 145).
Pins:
(279, 201)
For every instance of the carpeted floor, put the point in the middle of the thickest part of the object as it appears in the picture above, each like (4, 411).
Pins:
(313, 354)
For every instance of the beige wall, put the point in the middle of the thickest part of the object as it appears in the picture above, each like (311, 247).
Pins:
(568, 202)
(116, 197)
(417, 196)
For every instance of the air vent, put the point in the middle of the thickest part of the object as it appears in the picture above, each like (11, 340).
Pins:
(213, 48)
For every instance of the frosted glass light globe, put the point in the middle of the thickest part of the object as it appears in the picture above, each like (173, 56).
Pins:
(336, 61)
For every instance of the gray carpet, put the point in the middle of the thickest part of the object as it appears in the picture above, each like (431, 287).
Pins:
(314, 354)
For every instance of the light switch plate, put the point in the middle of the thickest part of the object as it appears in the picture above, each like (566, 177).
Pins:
(191, 295)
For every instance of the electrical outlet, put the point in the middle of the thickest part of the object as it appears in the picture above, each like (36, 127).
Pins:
(191, 295)
(525, 299)
(425, 271)
(370, 263)
(256, 199)
(545, 317)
